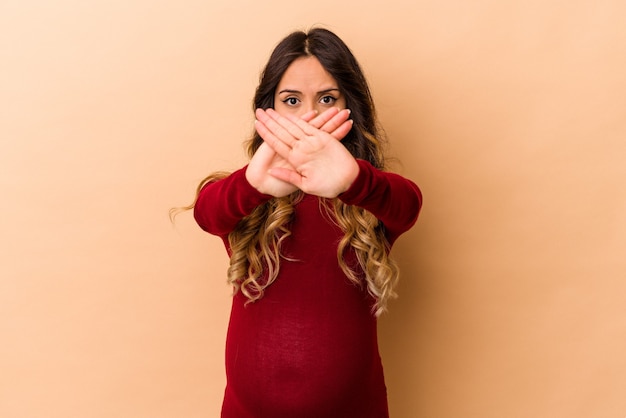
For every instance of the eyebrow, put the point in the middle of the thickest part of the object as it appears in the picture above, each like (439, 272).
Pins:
(299, 92)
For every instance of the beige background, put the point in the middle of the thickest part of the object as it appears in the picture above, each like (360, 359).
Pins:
(509, 114)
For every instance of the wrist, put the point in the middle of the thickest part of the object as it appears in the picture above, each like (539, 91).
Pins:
(353, 173)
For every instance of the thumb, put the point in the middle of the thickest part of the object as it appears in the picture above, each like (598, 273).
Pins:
(286, 175)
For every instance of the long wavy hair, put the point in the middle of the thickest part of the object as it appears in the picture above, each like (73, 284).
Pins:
(256, 241)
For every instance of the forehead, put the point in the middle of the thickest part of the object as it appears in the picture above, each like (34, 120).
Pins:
(306, 72)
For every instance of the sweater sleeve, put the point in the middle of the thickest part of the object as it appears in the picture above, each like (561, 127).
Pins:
(223, 203)
(393, 199)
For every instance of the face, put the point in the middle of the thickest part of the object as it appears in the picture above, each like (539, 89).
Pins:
(307, 86)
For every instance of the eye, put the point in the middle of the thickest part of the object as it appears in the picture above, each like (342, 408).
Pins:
(328, 100)
(291, 101)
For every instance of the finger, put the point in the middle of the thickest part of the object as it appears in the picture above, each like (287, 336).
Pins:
(273, 141)
(286, 175)
(324, 117)
(277, 127)
(336, 122)
(308, 116)
(284, 127)
(343, 129)
(306, 129)
(332, 121)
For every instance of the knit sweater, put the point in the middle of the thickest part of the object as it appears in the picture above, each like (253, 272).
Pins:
(308, 348)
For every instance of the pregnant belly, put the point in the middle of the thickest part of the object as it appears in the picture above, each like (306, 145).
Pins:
(281, 366)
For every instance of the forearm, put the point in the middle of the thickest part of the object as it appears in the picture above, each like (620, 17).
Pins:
(393, 199)
(222, 204)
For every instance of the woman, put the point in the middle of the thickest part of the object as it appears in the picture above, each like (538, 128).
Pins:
(308, 225)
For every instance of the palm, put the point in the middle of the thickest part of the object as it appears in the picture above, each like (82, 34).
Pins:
(322, 164)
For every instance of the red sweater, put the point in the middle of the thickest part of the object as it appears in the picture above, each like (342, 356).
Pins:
(309, 347)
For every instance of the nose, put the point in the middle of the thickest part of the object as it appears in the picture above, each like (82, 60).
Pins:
(306, 107)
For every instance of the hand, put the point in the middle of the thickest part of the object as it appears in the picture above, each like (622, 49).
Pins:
(318, 164)
(266, 159)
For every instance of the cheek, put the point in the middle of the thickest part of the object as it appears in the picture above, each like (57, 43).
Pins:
(284, 110)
